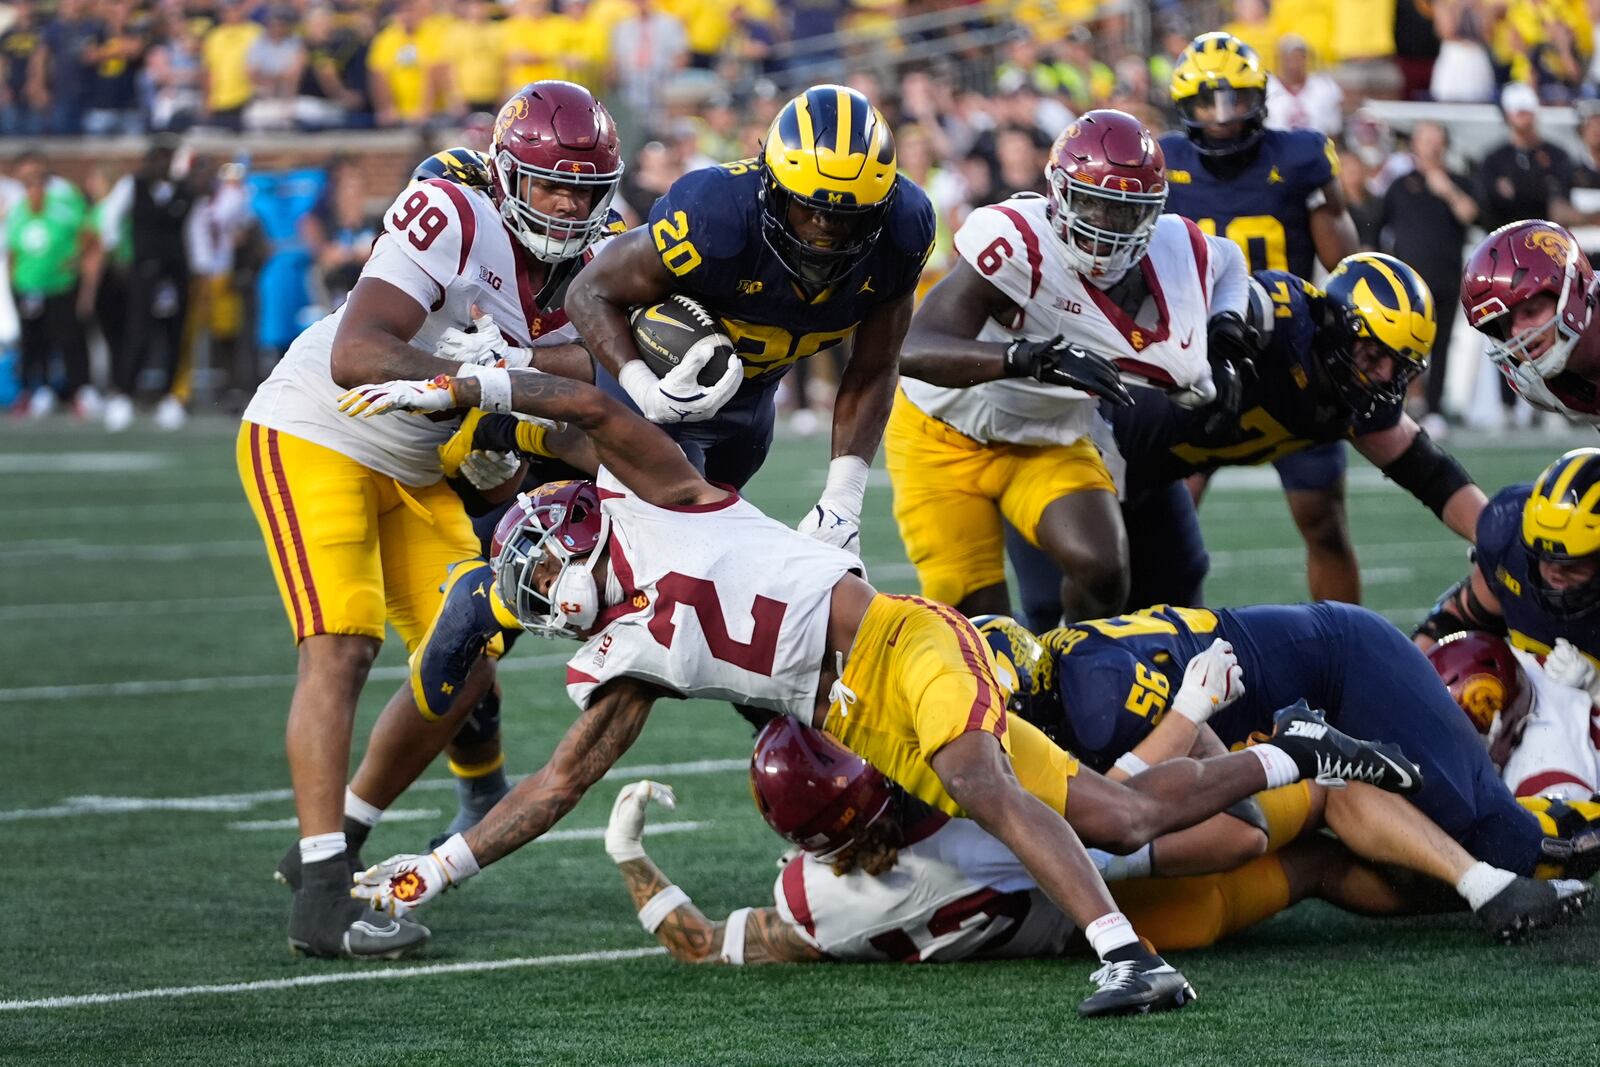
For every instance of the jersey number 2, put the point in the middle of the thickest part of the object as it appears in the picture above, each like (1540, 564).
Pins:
(430, 220)
(755, 655)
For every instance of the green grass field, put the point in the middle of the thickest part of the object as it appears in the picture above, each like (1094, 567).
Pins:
(145, 669)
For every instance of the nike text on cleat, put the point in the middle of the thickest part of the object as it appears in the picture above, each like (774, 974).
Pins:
(1526, 905)
(1330, 757)
(1136, 987)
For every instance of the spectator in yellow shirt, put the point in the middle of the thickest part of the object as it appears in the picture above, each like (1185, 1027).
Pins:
(398, 69)
(227, 87)
(1251, 25)
(478, 51)
(537, 42)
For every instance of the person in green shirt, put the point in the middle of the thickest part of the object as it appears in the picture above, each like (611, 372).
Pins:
(54, 263)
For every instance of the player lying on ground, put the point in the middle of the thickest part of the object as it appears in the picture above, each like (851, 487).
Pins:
(1098, 687)
(1326, 365)
(881, 876)
(614, 562)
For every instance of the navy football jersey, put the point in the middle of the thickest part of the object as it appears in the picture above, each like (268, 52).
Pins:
(707, 229)
(1275, 187)
(1505, 562)
(1285, 407)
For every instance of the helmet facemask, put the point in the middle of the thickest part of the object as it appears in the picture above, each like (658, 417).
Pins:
(573, 602)
(1225, 104)
(1515, 352)
(1106, 231)
(1573, 602)
(551, 238)
(1363, 394)
(813, 266)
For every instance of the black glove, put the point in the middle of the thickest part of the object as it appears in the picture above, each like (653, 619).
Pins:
(1230, 348)
(1058, 362)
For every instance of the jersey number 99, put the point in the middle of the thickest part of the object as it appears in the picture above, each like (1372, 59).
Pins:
(430, 221)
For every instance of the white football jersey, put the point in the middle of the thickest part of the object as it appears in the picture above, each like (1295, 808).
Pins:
(718, 601)
(954, 892)
(1015, 246)
(444, 246)
(1557, 752)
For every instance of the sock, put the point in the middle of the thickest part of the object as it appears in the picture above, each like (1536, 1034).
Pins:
(1481, 883)
(355, 835)
(359, 810)
(477, 791)
(319, 847)
(1110, 932)
(1134, 865)
(1279, 765)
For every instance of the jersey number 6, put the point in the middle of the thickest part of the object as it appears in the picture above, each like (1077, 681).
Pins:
(430, 220)
(990, 258)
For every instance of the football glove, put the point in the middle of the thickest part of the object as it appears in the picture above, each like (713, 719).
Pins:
(1059, 362)
(678, 395)
(402, 883)
(482, 345)
(1565, 665)
(490, 470)
(627, 818)
(436, 394)
(1229, 349)
(836, 519)
(1212, 680)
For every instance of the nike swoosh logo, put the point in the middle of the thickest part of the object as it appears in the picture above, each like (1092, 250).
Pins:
(1406, 781)
(897, 630)
(1187, 341)
(655, 316)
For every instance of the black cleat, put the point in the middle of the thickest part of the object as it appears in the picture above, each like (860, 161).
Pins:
(1331, 757)
(325, 921)
(287, 872)
(1527, 905)
(1136, 987)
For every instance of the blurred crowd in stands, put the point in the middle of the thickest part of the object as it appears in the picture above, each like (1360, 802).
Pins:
(145, 269)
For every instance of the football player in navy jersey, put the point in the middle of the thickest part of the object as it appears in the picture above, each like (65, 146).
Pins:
(816, 243)
(1225, 162)
(1536, 571)
(1099, 687)
(1329, 365)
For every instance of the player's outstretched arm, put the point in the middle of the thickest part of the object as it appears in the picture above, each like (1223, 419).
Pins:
(373, 340)
(750, 935)
(1468, 605)
(629, 273)
(941, 346)
(1333, 231)
(1212, 680)
(1412, 460)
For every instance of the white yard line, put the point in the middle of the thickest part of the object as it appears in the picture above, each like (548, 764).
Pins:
(305, 980)
(79, 613)
(238, 802)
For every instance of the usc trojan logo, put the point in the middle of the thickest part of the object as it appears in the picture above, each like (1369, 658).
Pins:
(1551, 243)
(516, 108)
(407, 886)
(1482, 697)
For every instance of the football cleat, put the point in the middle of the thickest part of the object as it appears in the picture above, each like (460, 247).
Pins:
(325, 921)
(287, 872)
(1333, 758)
(1136, 987)
(1526, 905)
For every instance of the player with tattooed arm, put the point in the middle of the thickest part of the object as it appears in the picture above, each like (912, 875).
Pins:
(668, 581)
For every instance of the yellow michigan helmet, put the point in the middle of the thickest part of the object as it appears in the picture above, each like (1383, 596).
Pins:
(460, 165)
(1561, 523)
(1218, 81)
(1374, 297)
(828, 150)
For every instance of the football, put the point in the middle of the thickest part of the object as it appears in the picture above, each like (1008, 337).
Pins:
(667, 332)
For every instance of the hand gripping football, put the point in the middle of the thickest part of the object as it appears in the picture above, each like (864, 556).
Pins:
(666, 334)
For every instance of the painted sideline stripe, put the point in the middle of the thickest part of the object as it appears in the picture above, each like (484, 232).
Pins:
(376, 975)
(401, 815)
(66, 610)
(231, 802)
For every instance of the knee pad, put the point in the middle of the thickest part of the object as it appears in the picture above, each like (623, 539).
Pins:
(483, 722)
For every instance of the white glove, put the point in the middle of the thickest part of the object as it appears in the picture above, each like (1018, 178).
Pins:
(1212, 680)
(401, 883)
(836, 520)
(679, 396)
(1567, 666)
(1197, 395)
(490, 470)
(368, 400)
(627, 818)
(484, 347)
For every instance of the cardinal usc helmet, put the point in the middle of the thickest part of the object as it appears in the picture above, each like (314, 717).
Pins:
(1483, 676)
(1218, 80)
(558, 526)
(812, 790)
(1108, 184)
(1378, 299)
(460, 165)
(1561, 524)
(554, 133)
(1517, 263)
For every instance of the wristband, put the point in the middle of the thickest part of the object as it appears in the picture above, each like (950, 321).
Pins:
(733, 937)
(494, 384)
(457, 858)
(846, 487)
(639, 382)
(1131, 764)
(1197, 708)
(658, 907)
(530, 437)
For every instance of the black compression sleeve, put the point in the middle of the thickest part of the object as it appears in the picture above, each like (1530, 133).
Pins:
(1428, 473)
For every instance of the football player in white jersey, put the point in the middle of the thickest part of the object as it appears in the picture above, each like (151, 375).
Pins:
(360, 528)
(995, 414)
(668, 580)
(881, 877)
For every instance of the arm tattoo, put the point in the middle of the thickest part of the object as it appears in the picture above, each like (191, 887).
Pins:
(686, 932)
(768, 939)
